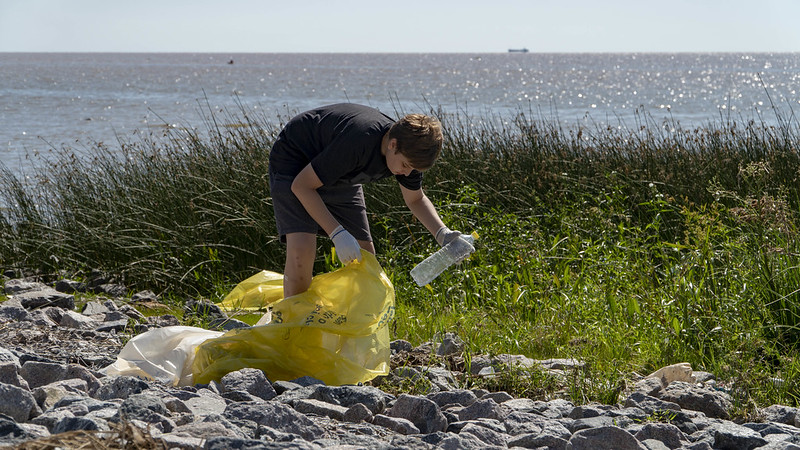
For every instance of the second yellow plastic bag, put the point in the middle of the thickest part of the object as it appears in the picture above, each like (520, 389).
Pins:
(336, 331)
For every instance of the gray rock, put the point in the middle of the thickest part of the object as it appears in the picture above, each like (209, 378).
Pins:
(780, 446)
(181, 441)
(648, 386)
(407, 373)
(461, 397)
(396, 424)
(94, 308)
(49, 419)
(561, 364)
(206, 403)
(668, 434)
(113, 325)
(19, 286)
(535, 440)
(149, 401)
(49, 395)
(292, 395)
(307, 381)
(604, 438)
(729, 436)
(494, 425)
(485, 434)
(148, 408)
(231, 443)
(277, 416)
(44, 373)
(208, 429)
(408, 443)
(653, 444)
(774, 428)
(111, 316)
(120, 387)
(9, 374)
(112, 289)
(12, 433)
(514, 361)
(587, 411)
(17, 403)
(556, 408)
(714, 404)
(400, 345)
(347, 396)
(83, 405)
(423, 413)
(129, 311)
(650, 405)
(521, 405)
(440, 377)
(70, 286)
(34, 431)
(498, 397)
(13, 313)
(451, 345)
(144, 296)
(41, 318)
(461, 442)
(358, 413)
(780, 414)
(54, 313)
(7, 357)
(252, 381)
(281, 386)
(240, 396)
(518, 423)
(46, 297)
(72, 319)
(488, 409)
(165, 320)
(79, 423)
(320, 408)
(591, 423)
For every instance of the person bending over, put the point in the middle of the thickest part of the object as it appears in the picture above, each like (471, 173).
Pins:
(317, 166)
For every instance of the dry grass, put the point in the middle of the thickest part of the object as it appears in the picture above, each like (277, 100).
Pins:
(124, 435)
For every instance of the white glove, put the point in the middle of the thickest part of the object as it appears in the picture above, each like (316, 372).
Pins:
(347, 248)
(445, 236)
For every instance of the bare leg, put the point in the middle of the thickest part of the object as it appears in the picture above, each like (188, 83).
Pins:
(301, 250)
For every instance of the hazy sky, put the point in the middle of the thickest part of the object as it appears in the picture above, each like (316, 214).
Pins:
(399, 26)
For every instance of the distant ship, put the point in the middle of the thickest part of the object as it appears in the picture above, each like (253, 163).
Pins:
(518, 50)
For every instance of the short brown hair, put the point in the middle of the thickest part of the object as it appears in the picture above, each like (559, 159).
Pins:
(419, 138)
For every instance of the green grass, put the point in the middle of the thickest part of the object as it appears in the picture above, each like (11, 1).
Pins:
(628, 249)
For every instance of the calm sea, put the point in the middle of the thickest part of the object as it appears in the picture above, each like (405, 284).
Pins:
(50, 100)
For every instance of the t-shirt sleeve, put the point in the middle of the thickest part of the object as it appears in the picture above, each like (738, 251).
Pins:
(413, 181)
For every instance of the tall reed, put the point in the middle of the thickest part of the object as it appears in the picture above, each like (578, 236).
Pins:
(625, 247)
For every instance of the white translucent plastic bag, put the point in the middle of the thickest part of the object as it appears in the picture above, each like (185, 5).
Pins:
(164, 354)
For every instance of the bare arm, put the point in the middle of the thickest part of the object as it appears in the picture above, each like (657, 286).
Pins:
(305, 187)
(423, 209)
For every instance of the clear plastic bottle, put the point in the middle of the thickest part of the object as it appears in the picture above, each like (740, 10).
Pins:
(454, 252)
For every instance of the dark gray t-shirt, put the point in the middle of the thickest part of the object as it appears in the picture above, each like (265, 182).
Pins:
(343, 144)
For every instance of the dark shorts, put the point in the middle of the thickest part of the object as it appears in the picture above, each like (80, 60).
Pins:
(346, 203)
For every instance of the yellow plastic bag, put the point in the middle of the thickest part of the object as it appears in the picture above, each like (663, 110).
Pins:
(254, 293)
(336, 331)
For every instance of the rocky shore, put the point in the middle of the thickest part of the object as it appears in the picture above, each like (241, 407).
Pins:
(54, 395)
